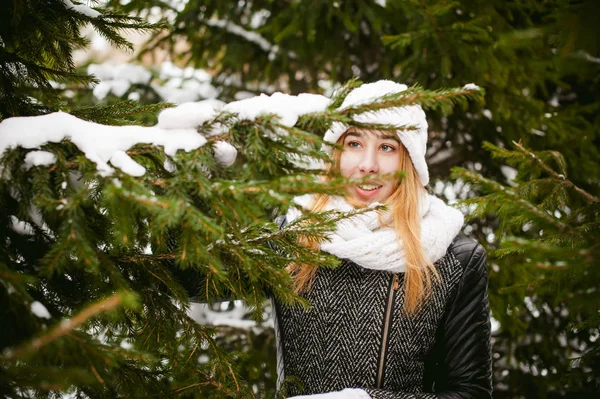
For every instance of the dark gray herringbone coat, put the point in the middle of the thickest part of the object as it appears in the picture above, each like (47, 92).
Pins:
(342, 341)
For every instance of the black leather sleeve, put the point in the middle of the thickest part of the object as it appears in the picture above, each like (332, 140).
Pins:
(464, 337)
(462, 367)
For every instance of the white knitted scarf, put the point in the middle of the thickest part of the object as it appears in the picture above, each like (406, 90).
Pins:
(364, 241)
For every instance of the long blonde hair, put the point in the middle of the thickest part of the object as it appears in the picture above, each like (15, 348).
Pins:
(403, 205)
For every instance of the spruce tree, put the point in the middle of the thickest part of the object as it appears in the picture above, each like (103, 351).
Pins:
(544, 271)
(109, 229)
(539, 64)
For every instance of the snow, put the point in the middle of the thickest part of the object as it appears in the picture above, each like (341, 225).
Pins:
(124, 162)
(190, 114)
(38, 309)
(288, 108)
(20, 227)
(509, 173)
(368, 93)
(242, 95)
(225, 153)
(85, 10)
(177, 129)
(117, 79)
(169, 70)
(181, 91)
(99, 143)
(471, 86)
(39, 158)
(587, 56)
(127, 72)
(179, 86)
(259, 18)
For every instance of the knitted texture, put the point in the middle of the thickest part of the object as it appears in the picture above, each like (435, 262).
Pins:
(337, 343)
(410, 121)
(362, 240)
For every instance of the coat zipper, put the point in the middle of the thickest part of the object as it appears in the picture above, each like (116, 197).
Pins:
(386, 328)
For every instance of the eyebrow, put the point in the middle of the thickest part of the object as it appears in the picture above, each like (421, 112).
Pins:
(379, 135)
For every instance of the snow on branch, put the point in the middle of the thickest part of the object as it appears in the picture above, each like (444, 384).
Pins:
(100, 143)
(85, 10)
(177, 129)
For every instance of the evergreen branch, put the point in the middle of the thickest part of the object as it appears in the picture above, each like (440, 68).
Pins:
(499, 188)
(144, 258)
(65, 327)
(338, 97)
(415, 95)
(560, 177)
(116, 113)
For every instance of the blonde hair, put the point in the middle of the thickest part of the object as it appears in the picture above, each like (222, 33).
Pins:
(403, 205)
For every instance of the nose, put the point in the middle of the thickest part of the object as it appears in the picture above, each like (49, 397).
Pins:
(368, 163)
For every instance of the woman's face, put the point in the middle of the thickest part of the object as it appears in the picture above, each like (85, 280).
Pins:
(365, 153)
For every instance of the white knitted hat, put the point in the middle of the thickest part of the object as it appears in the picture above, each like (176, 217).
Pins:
(415, 141)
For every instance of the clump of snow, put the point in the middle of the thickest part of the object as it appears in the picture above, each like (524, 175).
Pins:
(242, 95)
(39, 158)
(38, 309)
(225, 153)
(288, 108)
(20, 227)
(85, 10)
(121, 160)
(98, 142)
(117, 79)
(180, 85)
(509, 173)
(177, 129)
(259, 18)
(471, 86)
(189, 115)
(180, 91)
(184, 85)
(368, 93)
(126, 345)
(169, 70)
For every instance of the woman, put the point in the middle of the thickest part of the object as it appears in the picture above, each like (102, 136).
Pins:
(406, 314)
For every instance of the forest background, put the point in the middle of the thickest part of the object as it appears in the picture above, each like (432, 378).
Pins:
(97, 269)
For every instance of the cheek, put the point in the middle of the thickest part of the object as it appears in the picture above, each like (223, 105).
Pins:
(347, 164)
(389, 165)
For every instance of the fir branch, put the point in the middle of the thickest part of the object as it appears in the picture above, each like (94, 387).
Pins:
(119, 113)
(560, 177)
(65, 326)
(338, 97)
(510, 194)
(415, 95)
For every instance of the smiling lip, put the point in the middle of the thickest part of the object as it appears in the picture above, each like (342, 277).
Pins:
(368, 193)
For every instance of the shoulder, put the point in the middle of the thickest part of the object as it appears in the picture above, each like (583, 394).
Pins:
(469, 253)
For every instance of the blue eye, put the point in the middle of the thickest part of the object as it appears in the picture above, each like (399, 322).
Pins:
(353, 144)
(387, 148)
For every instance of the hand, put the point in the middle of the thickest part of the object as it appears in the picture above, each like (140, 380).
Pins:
(348, 393)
